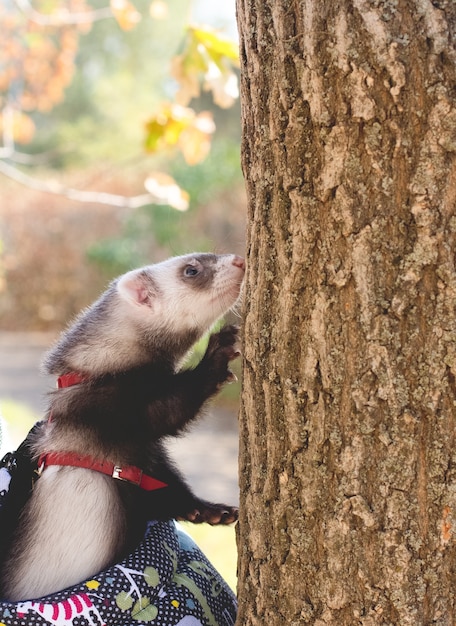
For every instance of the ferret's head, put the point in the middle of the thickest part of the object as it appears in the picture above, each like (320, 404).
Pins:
(154, 313)
(183, 293)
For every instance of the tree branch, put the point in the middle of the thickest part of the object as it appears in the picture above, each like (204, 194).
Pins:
(53, 187)
(62, 17)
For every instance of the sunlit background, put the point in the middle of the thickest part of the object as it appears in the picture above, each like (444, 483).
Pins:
(98, 134)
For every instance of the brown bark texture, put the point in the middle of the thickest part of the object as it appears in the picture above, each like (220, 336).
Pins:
(348, 457)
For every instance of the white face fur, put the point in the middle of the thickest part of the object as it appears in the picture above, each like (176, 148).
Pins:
(155, 309)
(183, 297)
(190, 291)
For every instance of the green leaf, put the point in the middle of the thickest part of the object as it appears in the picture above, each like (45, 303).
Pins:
(124, 601)
(144, 611)
(151, 576)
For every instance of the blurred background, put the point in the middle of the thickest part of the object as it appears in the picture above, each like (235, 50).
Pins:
(119, 147)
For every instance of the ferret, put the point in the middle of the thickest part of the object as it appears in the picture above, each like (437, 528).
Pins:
(126, 393)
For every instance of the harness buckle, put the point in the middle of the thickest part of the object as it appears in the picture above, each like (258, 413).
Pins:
(116, 473)
(128, 474)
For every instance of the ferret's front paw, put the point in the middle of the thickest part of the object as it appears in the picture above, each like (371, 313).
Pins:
(221, 349)
(213, 514)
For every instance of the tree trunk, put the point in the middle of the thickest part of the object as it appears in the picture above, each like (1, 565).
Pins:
(348, 457)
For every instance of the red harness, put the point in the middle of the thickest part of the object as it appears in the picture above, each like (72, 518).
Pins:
(67, 380)
(127, 473)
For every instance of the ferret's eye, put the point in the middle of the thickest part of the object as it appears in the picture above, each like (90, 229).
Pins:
(191, 270)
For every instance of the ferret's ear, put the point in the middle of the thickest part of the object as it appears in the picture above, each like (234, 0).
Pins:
(137, 287)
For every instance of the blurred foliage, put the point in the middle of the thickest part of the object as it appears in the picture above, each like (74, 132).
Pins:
(36, 62)
(94, 140)
(207, 60)
(114, 77)
(175, 125)
(119, 78)
(157, 228)
(48, 274)
(48, 279)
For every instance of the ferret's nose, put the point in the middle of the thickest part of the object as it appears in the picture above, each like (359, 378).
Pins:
(238, 261)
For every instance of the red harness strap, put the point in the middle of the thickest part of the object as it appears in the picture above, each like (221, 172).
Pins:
(68, 380)
(72, 378)
(127, 473)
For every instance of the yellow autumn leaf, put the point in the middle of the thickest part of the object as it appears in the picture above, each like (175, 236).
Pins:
(194, 145)
(188, 80)
(195, 140)
(178, 118)
(125, 13)
(166, 191)
(177, 125)
(217, 43)
(166, 126)
(209, 58)
(223, 84)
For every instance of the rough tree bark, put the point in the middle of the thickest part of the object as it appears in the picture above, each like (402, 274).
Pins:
(348, 458)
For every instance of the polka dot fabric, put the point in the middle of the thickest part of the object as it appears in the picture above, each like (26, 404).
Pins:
(166, 581)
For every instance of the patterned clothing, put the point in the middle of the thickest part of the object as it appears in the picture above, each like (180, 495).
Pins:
(166, 581)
